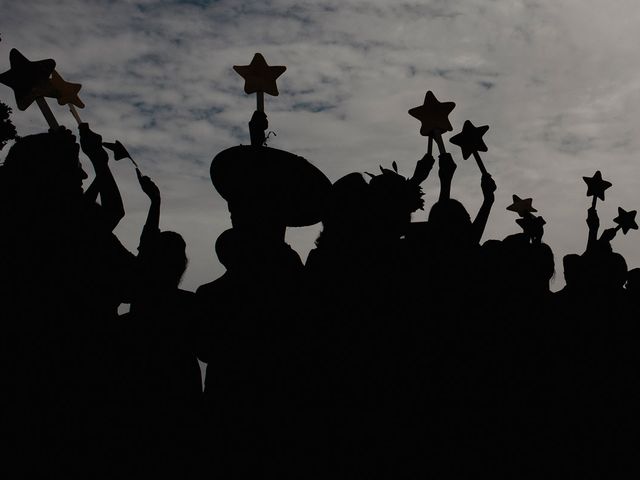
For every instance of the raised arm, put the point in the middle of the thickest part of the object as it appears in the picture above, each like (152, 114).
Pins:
(423, 169)
(446, 169)
(152, 225)
(593, 222)
(488, 191)
(111, 201)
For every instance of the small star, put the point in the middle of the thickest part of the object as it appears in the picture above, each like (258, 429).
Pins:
(626, 220)
(521, 206)
(65, 92)
(433, 115)
(470, 139)
(260, 77)
(26, 78)
(119, 152)
(596, 185)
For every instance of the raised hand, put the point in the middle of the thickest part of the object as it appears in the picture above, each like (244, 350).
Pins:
(593, 221)
(91, 143)
(148, 187)
(423, 169)
(111, 201)
(489, 187)
(608, 235)
(257, 126)
(446, 169)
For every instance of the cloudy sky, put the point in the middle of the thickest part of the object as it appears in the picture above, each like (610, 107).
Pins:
(558, 83)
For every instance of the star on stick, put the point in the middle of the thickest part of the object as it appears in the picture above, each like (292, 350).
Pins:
(471, 142)
(29, 80)
(66, 93)
(260, 78)
(596, 187)
(626, 220)
(522, 206)
(434, 118)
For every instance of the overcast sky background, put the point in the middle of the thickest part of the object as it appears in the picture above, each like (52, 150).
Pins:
(558, 83)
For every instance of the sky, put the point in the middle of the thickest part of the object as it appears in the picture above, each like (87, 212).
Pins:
(557, 82)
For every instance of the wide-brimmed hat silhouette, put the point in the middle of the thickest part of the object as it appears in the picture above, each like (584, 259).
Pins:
(268, 178)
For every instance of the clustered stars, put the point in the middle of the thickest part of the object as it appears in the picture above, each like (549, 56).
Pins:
(34, 80)
(596, 186)
(434, 121)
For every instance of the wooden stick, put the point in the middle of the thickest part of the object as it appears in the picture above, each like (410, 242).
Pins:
(593, 203)
(260, 101)
(47, 113)
(430, 146)
(476, 155)
(134, 163)
(74, 112)
(438, 139)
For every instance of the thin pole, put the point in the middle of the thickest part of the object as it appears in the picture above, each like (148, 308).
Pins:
(47, 113)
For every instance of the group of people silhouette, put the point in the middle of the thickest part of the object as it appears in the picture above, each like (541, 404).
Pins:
(398, 348)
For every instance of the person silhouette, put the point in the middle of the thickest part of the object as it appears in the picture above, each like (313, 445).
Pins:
(253, 337)
(162, 324)
(70, 273)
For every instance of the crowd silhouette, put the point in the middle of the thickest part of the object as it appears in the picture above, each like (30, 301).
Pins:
(398, 349)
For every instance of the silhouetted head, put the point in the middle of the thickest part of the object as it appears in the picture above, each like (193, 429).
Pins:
(229, 248)
(450, 222)
(529, 266)
(346, 214)
(46, 165)
(394, 199)
(165, 260)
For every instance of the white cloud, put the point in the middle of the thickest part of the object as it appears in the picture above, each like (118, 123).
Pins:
(557, 82)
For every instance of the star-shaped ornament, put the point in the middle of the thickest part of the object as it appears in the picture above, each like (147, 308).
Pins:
(65, 92)
(596, 185)
(626, 220)
(522, 206)
(433, 115)
(260, 77)
(27, 79)
(470, 139)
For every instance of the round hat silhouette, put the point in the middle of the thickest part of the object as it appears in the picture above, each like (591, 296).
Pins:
(268, 178)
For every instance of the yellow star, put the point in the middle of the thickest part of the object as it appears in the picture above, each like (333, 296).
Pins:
(260, 77)
(65, 92)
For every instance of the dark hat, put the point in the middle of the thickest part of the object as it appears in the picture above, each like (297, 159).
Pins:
(273, 179)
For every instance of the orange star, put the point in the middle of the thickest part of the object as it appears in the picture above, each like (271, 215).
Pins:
(433, 115)
(65, 92)
(260, 77)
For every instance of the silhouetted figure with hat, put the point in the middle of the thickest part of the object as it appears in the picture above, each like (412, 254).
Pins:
(253, 327)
